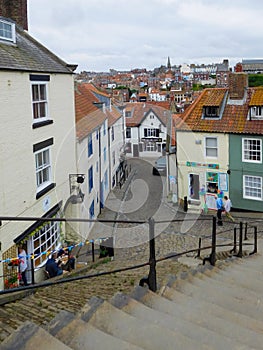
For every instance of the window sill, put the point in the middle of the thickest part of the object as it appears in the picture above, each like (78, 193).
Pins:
(45, 190)
(43, 123)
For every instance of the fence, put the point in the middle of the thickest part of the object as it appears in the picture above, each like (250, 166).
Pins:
(236, 244)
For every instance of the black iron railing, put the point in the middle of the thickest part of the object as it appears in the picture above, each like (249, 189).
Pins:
(151, 279)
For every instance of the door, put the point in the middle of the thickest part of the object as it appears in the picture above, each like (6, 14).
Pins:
(194, 186)
(135, 150)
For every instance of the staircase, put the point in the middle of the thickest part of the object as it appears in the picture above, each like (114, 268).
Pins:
(206, 308)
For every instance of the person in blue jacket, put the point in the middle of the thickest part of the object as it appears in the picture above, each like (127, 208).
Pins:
(52, 267)
(220, 208)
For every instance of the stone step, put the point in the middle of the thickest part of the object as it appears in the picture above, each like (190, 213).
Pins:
(185, 311)
(227, 285)
(197, 333)
(216, 295)
(30, 336)
(118, 323)
(201, 305)
(79, 335)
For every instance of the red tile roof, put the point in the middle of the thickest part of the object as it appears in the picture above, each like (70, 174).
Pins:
(88, 116)
(234, 117)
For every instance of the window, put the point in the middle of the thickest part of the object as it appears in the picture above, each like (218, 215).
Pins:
(128, 114)
(151, 132)
(252, 150)
(128, 133)
(90, 146)
(39, 100)
(211, 112)
(211, 147)
(7, 31)
(97, 134)
(106, 182)
(112, 133)
(90, 179)
(150, 147)
(91, 211)
(252, 187)
(43, 168)
(104, 154)
(45, 239)
(113, 158)
(211, 182)
(259, 111)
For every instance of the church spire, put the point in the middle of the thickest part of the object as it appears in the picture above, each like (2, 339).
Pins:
(168, 63)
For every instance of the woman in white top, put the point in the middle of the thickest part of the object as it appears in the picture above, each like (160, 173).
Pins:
(227, 206)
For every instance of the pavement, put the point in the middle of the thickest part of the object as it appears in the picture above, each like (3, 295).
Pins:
(178, 230)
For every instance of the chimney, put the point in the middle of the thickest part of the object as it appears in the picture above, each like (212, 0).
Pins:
(15, 10)
(238, 83)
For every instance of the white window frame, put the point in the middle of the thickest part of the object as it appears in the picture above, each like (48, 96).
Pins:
(39, 101)
(247, 196)
(205, 144)
(12, 30)
(40, 169)
(250, 150)
(46, 239)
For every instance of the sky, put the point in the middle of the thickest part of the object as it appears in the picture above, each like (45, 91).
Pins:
(100, 35)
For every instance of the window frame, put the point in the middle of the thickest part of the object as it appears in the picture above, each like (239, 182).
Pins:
(90, 176)
(41, 242)
(128, 132)
(247, 196)
(12, 31)
(206, 147)
(90, 146)
(38, 102)
(244, 139)
(43, 184)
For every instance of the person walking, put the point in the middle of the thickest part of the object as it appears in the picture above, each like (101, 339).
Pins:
(220, 208)
(22, 264)
(228, 205)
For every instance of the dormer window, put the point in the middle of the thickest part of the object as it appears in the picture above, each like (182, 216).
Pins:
(256, 111)
(7, 31)
(211, 112)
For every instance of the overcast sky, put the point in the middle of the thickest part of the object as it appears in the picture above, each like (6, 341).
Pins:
(102, 34)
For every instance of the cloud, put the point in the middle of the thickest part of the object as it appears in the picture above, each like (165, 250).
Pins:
(116, 34)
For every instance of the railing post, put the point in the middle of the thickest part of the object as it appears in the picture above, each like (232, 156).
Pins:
(199, 248)
(152, 261)
(93, 251)
(240, 251)
(185, 204)
(255, 241)
(245, 235)
(213, 251)
(234, 250)
(32, 271)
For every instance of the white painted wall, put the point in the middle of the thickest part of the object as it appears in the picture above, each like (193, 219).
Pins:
(17, 171)
(189, 149)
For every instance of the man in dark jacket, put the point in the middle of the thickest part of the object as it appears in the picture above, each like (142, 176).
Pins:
(52, 267)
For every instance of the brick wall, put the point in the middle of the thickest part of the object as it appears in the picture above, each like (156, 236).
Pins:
(15, 10)
(237, 84)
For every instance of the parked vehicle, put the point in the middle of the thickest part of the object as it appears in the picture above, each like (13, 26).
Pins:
(160, 166)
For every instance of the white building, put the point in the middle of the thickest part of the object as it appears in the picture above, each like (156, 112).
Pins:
(37, 147)
(145, 129)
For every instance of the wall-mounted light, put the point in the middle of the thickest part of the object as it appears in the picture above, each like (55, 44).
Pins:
(75, 180)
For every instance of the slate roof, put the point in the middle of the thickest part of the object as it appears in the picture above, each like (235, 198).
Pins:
(139, 110)
(234, 117)
(27, 54)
